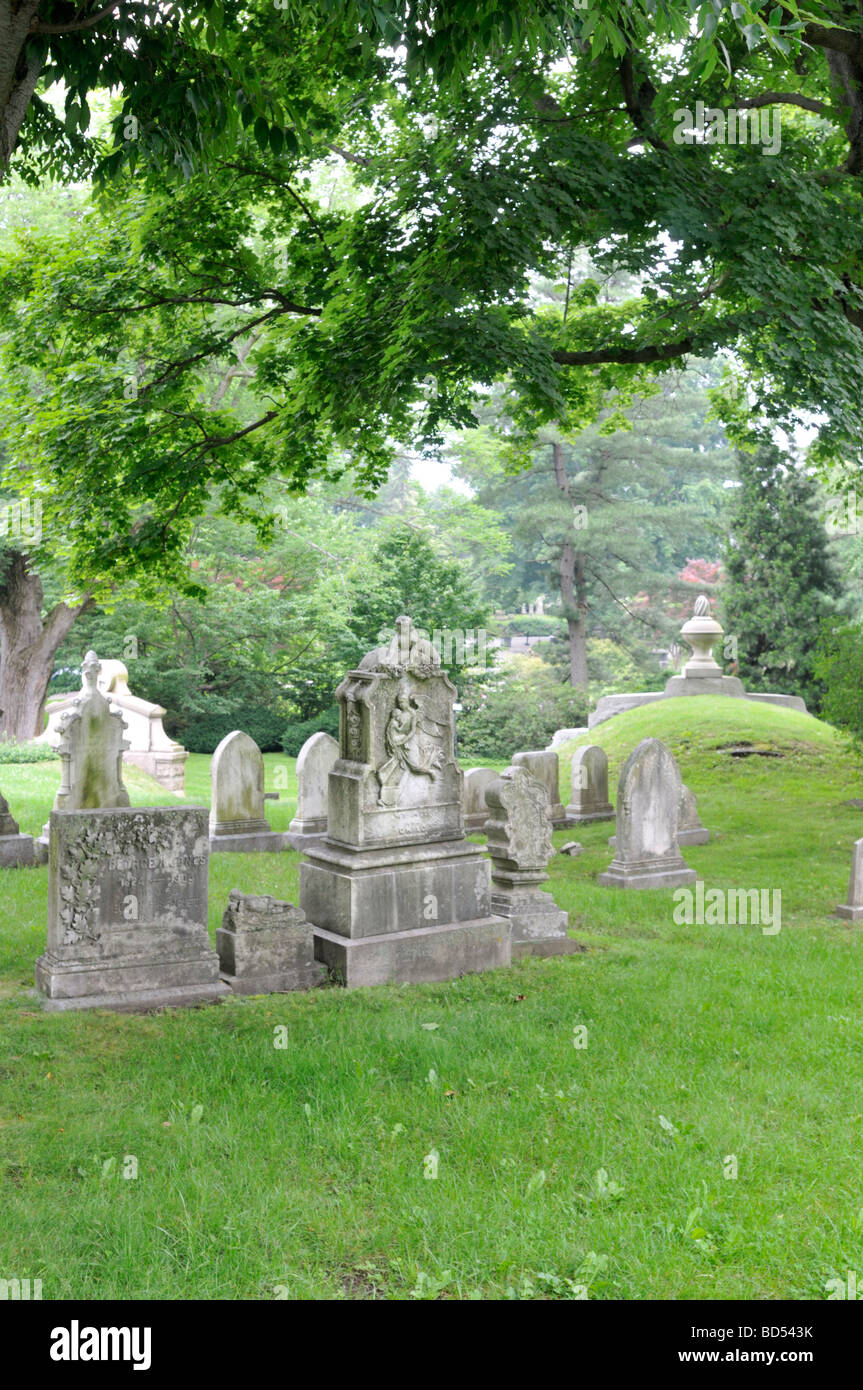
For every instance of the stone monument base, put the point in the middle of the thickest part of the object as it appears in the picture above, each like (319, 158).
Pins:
(258, 842)
(302, 834)
(648, 873)
(693, 837)
(576, 817)
(128, 988)
(538, 924)
(167, 766)
(18, 850)
(850, 914)
(420, 955)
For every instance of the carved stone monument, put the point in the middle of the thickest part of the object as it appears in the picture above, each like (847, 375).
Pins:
(148, 747)
(15, 849)
(519, 842)
(127, 911)
(266, 946)
(646, 852)
(852, 910)
(394, 890)
(690, 831)
(545, 767)
(315, 763)
(477, 780)
(589, 778)
(237, 820)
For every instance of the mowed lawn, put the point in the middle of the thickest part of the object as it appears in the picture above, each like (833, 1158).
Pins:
(299, 1171)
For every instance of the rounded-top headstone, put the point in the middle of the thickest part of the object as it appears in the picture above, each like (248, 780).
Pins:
(237, 776)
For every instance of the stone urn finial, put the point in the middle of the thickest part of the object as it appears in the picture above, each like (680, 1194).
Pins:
(702, 632)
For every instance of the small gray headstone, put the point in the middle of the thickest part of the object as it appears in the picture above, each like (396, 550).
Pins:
(15, 849)
(646, 852)
(316, 760)
(266, 946)
(127, 911)
(237, 820)
(519, 843)
(852, 910)
(477, 780)
(690, 831)
(545, 767)
(589, 778)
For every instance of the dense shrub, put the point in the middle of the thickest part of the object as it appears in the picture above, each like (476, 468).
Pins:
(205, 731)
(516, 707)
(26, 752)
(295, 735)
(837, 666)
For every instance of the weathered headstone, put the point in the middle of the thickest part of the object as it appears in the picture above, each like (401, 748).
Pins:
(266, 946)
(646, 852)
(15, 849)
(690, 831)
(237, 820)
(545, 767)
(477, 780)
(852, 910)
(395, 891)
(589, 777)
(90, 750)
(127, 911)
(519, 842)
(316, 761)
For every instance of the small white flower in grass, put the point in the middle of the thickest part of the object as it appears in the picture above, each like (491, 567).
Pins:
(430, 1027)
(668, 1126)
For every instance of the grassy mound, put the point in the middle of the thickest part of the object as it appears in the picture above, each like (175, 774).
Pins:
(704, 1143)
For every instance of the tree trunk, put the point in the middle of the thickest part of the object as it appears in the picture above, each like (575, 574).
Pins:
(27, 647)
(573, 587)
(19, 72)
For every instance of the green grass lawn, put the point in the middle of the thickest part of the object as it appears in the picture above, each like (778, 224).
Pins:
(299, 1171)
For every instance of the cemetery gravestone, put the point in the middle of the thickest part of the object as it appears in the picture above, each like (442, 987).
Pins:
(519, 842)
(394, 890)
(315, 763)
(477, 780)
(15, 849)
(690, 831)
(545, 767)
(589, 797)
(266, 946)
(852, 910)
(127, 911)
(237, 820)
(646, 853)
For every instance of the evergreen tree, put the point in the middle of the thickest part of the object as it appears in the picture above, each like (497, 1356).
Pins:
(780, 580)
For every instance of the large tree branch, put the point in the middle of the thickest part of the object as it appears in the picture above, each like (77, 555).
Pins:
(623, 356)
(823, 108)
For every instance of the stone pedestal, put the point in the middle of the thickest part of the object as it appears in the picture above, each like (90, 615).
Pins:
(519, 843)
(237, 821)
(589, 781)
(646, 853)
(544, 766)
(16, 850)
(266, 946)
(127, 911)
(852, 910)
(394, 890)
(315, 763)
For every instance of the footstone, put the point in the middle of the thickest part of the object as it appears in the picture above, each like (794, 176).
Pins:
(237, 820)
(519, 843)
(646, 852)
(316, 761)
(266, 946)
(476, 782)
(852, 910)
(15, 849)
(589, 777)
(690, 831)
(545, 767)
(127, 911)
(394, 890)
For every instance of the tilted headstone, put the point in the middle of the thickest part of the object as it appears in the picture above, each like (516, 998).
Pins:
(476, 782)
(690, 831)
(545, 767)
(852, 910)
(394, 890)
(519, 843)
(589, 778)
(646, 852)
(127, 911)
(237, 820)
(316, 761)
(266, 946)
(15, 849)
